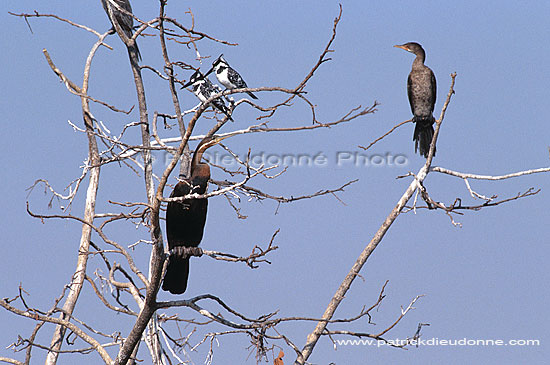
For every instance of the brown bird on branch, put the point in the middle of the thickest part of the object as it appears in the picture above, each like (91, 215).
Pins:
(185, 220)
(125, 21)
(421, 88)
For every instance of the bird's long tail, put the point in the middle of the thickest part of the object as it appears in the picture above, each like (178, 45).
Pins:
(129, 34)
(423, 134)
(219, 104)
(137, 51)
(252, 95)
(177, 273)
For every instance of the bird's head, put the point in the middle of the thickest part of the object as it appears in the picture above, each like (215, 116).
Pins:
(210, 141)
(219, 64)
(195, 78)
(205, 144)
(412, 47)
(220, 61)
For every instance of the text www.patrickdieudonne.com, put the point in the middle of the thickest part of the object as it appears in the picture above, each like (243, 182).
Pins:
(435, 341)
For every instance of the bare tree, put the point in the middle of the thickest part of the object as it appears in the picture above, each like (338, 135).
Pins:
(119, 278)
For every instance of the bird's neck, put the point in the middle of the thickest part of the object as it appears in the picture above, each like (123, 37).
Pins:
(200, 175)
(419, 60)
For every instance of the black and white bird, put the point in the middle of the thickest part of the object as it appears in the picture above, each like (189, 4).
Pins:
(125, 21)
(204, 89)
(228, 77)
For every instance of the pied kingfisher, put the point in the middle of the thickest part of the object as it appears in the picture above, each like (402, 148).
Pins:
(204, 89)
(228, 77)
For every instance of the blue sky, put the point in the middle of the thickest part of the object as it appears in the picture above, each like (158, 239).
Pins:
(486, 280)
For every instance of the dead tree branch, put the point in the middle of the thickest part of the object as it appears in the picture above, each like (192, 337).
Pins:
(60, 322)
(91, 196)
(314, 336)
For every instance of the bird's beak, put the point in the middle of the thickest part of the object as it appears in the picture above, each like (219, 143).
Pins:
(218, 139)
(186, 85)
(401, 46)
(209, 71)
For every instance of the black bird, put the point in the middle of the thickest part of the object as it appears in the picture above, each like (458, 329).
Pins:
(204, 89)
(185, 221)
(125, 21)
(228, 77)
(421, 87)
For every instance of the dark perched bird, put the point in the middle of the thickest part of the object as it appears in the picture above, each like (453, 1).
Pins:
(421, 87)
(228, 77)
(185, 220)
(204, 89)
(125, 21)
